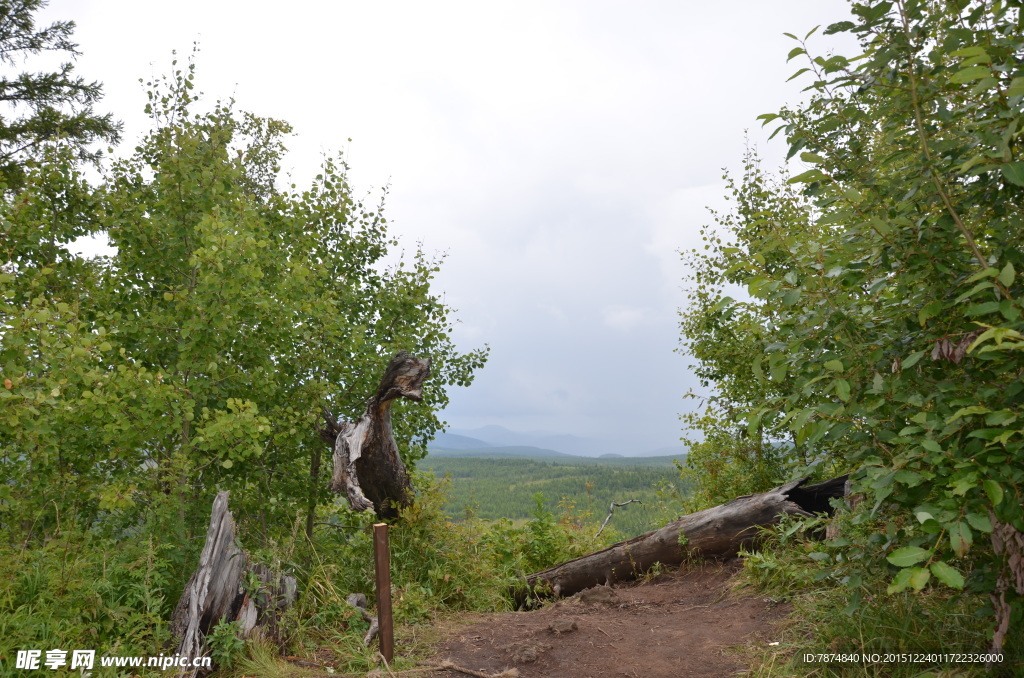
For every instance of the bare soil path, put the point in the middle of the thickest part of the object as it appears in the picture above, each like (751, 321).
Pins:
(684, 624)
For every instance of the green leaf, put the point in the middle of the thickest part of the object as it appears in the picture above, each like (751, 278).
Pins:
(778, 371)
(960, 538)
(994, 491)
(227, 463)
(913, 359)
(964, 484)
(1016, 87)
(798, 74)
(1014, 172)
(808, 176)
(980, 522)
(947, 574)
(900, 581)
(982, 309)
(970, 74)
(984, 273)
(919, 577)
(968, 411)
(834, 365)
(753, 422)
(972, 51)
(908, 477)
(907, 556)
(1007, 275)
(839, 27)
(929, 310)
(843, 390)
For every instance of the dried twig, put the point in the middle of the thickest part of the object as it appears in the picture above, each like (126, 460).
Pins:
(446, 665)
(358, 601)
(611, 510)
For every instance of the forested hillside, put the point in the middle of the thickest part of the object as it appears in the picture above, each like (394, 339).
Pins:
(494, 488)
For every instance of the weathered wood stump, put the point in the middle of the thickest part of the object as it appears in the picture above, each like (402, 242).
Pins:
(227, 587)
(715, 533)
(367, 466)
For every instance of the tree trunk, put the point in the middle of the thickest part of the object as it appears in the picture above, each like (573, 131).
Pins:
(367, 466)
(227, 587)
(715, 533)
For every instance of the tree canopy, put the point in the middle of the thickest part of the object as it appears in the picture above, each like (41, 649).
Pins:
(875, 318)
(200, 355)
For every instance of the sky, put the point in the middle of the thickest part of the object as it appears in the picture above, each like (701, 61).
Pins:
(558, 154)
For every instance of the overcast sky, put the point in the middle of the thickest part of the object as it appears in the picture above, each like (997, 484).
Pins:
(560, 153)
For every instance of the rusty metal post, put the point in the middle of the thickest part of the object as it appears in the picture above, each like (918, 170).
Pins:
(382, 564)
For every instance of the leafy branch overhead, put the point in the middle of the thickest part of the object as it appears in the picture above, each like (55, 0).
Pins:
(881, 331)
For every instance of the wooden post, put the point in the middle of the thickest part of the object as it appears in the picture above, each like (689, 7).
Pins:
(382, 564)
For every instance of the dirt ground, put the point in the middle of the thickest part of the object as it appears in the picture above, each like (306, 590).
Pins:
(683, 624)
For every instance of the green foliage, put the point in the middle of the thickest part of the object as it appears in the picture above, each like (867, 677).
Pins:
(45, 107)
(842, 609)
(226, 645)
(77, 590)
(726, 465)
(200, 355)
(883, 319)
(736, 449)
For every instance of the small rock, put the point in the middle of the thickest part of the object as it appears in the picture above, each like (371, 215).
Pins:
(598, 594)
(562, 625)
(526, 654)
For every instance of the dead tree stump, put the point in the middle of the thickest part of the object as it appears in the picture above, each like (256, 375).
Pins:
(715, 533)
(227, 587)
(367, 466)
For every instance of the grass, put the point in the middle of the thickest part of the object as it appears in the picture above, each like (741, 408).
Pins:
(830, 617)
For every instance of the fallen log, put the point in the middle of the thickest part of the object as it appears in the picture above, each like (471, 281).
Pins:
(715, 533)
(227, 587)
(367, 466)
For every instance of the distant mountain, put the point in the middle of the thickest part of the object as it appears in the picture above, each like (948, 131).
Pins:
(454, 441)
(499, 436)
(506, 452)
(537, 454)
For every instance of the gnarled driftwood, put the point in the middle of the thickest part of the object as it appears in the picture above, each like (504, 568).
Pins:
(367, 466)
(227, 587)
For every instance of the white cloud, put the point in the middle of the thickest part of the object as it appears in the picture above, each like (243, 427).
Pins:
(624, 318)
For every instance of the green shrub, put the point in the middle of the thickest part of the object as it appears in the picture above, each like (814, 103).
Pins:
(79, 591)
